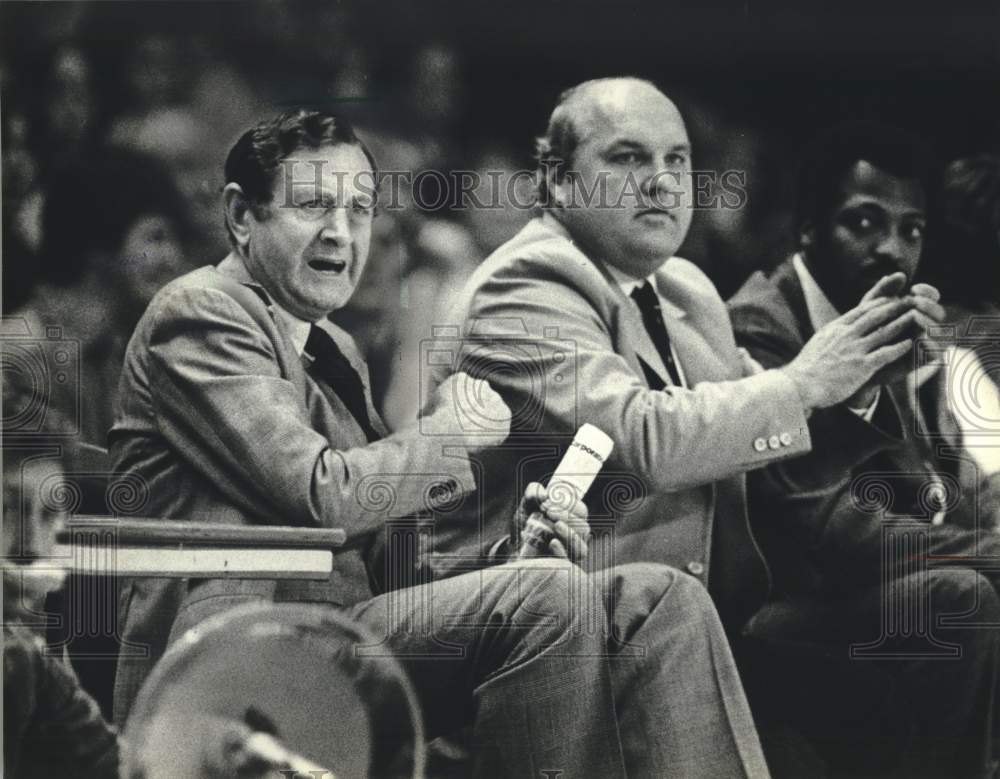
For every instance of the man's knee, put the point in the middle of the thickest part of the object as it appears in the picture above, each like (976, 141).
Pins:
(961, 597)
(638, 594)
(550, 603)
(650, 584)
(549, 584)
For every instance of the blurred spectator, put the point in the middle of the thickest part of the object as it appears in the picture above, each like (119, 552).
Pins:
(111, 237)
(51, 726)
(444, 255)
(502, 203)
(964, 251)
(21, 207)
(70, 110)
(435, 92)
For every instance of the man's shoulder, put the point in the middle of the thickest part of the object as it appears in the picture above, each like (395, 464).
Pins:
(765, 296)
(537, 251)
(203, 292)
(539, 263)
(678, 273)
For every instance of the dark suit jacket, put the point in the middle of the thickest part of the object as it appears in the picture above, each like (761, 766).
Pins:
(222, 423)
(51, 726)
(556, 336)
(819, 517)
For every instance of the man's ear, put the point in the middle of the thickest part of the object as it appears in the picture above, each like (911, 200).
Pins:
(238, 214)
(560, 187)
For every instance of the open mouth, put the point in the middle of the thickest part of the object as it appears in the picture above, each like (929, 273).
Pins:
(327, 266)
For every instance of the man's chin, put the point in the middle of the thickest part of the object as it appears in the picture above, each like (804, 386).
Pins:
(315, 309)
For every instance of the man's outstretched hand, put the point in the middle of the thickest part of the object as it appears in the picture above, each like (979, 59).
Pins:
(852, 353)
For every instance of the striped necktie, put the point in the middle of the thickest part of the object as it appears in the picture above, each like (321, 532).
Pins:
(652, 317)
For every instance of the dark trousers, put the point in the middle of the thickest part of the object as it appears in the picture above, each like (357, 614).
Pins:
(895, 679)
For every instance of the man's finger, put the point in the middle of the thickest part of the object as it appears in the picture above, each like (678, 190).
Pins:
(889, 354)
(863, 308)
(926, 291)
(886, 287)
(891, 332)
(576, 545)
(579, 525)
(557, 549)
(878, 316)
(924, 323)
(558, 509)
(534, 493)
(554, 511)
(928, 307)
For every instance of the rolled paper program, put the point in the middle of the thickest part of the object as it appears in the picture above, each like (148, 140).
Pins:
(577, 470)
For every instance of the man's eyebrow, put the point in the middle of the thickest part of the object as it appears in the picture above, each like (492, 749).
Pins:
(627, 143)
(630, 143)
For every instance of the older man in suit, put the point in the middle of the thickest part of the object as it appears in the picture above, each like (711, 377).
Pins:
(848, 528)
(587, 316)
(242, 404)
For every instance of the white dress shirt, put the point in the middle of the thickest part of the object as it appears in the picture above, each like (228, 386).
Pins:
(298, 329)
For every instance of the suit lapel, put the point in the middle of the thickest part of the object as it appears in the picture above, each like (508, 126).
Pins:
(699, 360)
(787, 281)
(634, 338)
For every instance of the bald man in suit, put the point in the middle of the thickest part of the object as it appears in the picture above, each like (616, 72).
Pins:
(586, 315)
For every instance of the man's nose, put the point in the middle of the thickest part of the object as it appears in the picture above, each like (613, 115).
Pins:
(890, 245)
(336, 228)
(666, 188)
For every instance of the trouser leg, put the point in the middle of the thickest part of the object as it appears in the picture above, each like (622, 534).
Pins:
(681, 707)
(898, 680)
(514, 651)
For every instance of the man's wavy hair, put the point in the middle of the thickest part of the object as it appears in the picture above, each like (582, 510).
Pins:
(830, 155)
(554, 150)
(255, 158)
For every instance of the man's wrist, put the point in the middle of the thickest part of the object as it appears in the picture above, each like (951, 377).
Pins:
(802, 388)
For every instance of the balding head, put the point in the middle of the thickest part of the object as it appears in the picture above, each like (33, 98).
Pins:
(599, 99)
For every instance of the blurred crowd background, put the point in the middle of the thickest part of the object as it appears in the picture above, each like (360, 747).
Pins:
(116, 117)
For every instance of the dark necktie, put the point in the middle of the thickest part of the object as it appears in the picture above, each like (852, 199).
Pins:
(334, 368)
(652, 317)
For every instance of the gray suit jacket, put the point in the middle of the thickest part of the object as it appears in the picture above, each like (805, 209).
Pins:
(556, 336)
(221, 421)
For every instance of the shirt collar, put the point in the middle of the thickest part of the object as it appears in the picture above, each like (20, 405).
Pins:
(297, 329)
(821, 310)
(628, 284)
